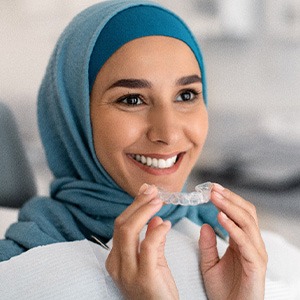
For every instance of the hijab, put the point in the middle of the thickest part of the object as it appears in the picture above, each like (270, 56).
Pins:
(84, 199)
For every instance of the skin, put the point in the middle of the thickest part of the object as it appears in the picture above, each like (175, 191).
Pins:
(149, 117)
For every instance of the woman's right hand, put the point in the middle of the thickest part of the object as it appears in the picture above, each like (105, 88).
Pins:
(139, 268)
(240, 272)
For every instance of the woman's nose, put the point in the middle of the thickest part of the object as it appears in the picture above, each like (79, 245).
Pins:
(164, 125)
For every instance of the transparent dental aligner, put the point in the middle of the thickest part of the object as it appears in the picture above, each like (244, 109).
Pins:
(200, 196)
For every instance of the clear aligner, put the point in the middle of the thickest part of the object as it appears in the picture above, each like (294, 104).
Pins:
(200, 196)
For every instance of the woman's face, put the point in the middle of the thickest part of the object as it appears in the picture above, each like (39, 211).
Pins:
(148, 116)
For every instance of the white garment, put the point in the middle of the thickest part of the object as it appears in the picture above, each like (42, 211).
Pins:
(76, 270)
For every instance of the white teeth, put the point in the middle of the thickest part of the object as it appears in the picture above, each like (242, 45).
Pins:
(149, 161)
(162, 163)
(155, 162)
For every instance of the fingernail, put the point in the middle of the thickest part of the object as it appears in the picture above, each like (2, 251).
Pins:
(155, 201)
(219, 187)
(143, 188)
(146, 189)
(224, 216)
(218, 195)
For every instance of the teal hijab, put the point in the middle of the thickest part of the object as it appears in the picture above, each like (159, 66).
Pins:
(84, 200)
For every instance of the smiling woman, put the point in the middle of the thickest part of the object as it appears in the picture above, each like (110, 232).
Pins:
(160, 118)
(122, 111)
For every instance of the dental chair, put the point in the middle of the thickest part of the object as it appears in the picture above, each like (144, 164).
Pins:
(17, 183)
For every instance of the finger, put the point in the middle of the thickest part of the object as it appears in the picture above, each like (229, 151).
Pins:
(238, 209)
(238, 200)
(242, 212)
(153, 246)
(239, 215)
(155, 221)
(250, 253)
(132, 226)
(126, 235)
(209, 256)
(146, 193)
(112, 264)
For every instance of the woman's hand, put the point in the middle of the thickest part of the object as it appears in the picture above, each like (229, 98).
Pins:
(140, 269)
(240, 273)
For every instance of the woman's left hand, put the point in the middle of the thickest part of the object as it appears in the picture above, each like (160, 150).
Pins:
(240, 273)
(139, 268)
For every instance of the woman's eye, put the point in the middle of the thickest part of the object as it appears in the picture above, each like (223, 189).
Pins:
(187, 96)
(131, 100)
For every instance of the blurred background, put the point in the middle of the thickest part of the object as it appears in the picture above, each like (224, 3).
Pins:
(252, 55)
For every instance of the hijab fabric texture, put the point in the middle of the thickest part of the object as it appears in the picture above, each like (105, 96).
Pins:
(84, 200)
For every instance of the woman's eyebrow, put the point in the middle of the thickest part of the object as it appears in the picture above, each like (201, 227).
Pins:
(131, 83)
(143, 83)
(186, 80)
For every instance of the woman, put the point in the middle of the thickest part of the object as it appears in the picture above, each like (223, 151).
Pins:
(122, 111)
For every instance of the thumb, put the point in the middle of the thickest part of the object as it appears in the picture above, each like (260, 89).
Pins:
(209, 256)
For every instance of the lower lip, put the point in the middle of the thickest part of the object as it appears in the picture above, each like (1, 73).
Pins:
(157, 171)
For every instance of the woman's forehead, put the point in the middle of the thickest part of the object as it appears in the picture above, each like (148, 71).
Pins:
(156, 57)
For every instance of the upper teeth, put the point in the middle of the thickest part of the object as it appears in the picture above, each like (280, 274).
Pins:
(156, 162)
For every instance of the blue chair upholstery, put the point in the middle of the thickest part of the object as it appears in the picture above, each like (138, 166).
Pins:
(17, 183)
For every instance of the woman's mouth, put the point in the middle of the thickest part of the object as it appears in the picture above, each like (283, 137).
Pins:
(158, 163)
